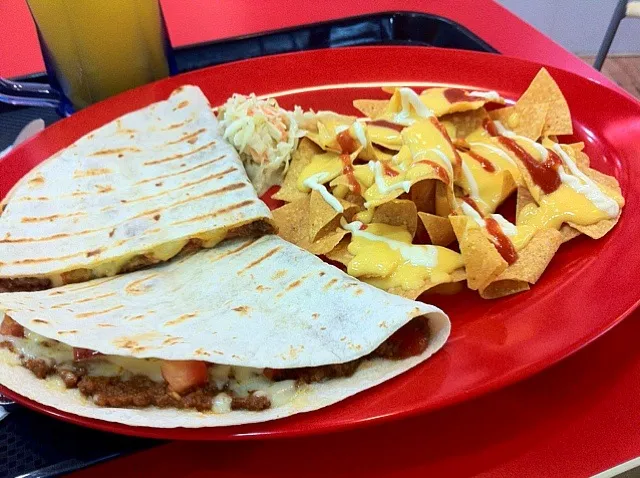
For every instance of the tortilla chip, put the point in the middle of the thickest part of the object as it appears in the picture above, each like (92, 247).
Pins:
(483, 262)
(438, 229)
(503, 288)
(371, 108)
(423, 194)
(466, 122)
(526, 120)
(293, 224)
(444, 201)
(523, 199)
(533, 259)
(398, 212)
(568, 233)
(543, 88)
(323, 219)
(456, 276)
(340, 253)
(302, 156)
(391, 89)
(355, 199)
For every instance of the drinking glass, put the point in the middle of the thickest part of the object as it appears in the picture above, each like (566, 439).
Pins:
(93, 49)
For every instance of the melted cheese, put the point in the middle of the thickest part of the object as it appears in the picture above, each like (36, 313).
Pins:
(385, 258)
(240, 380)
(313, 182)
(386, 137)
(486, 188)
(436, 101)
(499, 158)
(578, 199)
(405, 107)
(423, 138)
(329, 164)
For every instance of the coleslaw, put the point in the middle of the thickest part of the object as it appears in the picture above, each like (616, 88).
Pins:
(264, 134)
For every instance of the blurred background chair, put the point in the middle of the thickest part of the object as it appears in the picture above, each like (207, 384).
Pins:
(624, 8)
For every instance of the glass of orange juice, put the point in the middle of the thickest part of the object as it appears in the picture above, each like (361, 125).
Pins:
(94, 49)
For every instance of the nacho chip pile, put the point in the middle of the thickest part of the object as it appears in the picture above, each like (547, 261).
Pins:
(407, 198)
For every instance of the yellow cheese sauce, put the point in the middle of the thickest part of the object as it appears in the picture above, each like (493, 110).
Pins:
(488, 189)
(577, 199)
(159, 253)
(453, 100)
(385, 258)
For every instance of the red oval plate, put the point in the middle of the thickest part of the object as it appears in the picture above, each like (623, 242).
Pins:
(588, 288)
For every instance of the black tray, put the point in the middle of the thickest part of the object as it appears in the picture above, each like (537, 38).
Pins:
(33, 445)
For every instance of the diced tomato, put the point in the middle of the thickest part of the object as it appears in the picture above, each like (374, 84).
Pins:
(11, 327)
(84, 354)
(184, 375)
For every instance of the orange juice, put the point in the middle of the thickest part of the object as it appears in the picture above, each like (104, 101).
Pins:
(97, 48)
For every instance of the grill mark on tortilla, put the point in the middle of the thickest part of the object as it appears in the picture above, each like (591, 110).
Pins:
(95, 252)
(52, 217)
(105, 325)
(116, 151)
(201, 351)
(64, 332)
(180, 319)
(47, 259)
(182, 104)
(31, 198)
(90, 299)
(183, 186)
(186, 137)
(177, 125)
(39, 239)
(61, 305)
(242, 309)
(215, 192)
(84, 315)
(102, 189)
(83, 173)
(258, 261)
(83, 286)
(330, 283)
(292, 285)
(135, 317)
(172, 341)
(179, 155)
(184, 171)
(134, 287)
(234, 251)
(39, 179)
(40, 321)
(225, 210)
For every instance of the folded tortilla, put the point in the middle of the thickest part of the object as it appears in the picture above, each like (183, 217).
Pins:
(258, 303)
(132, 193)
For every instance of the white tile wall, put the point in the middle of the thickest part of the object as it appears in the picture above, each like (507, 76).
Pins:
(578, 25)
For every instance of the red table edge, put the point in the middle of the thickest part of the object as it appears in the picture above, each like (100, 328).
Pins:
(514, 37)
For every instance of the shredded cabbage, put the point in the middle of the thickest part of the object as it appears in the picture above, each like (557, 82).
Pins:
(264, 135)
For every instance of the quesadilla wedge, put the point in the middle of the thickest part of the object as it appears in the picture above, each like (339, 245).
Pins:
(132, 193)
(252, 330)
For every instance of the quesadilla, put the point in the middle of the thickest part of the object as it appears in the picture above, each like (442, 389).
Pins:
(251, 330)
(135, 192)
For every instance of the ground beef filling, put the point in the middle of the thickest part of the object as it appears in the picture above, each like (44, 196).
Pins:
(26, 284)
(140, 391)
(410, 340)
